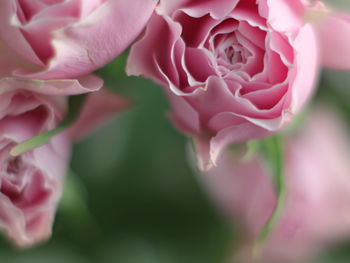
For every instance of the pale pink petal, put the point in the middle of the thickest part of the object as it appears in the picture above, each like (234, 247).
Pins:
(333, 31)
(112, 26)
(99, 107)
(84, 84)
(306, 70)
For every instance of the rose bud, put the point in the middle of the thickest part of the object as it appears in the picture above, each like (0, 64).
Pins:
(66, 39)
(316, 212)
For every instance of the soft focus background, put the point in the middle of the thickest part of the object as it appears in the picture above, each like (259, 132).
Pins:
(132, 197)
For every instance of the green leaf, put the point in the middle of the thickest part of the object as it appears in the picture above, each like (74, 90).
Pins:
(75, 104)
(272, 150)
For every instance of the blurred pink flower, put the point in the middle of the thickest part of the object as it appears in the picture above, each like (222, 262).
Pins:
(333, 32)
(31, 184)
(233, 69)
(317, 208)
(65, 39)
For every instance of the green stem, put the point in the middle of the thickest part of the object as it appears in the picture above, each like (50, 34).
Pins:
(75, 104)
(273, 153)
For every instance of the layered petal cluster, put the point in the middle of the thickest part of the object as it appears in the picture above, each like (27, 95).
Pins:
(31, 184)
(69, 38)
(316, 212)
(233, 69)
(47, 50)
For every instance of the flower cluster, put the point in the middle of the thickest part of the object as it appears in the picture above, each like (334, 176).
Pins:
(232, 70)
(237, 70)
(47, 51)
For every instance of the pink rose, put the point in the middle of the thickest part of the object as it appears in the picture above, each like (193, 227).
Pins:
(233, 70)
(65, 39)
(31, 184)
(317, 208)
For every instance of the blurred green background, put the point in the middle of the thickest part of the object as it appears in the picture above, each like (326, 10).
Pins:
(133, 197)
